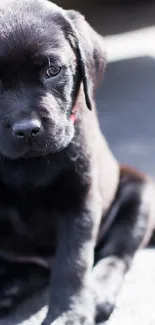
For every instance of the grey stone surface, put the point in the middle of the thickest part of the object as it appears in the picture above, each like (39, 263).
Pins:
(126, 103)
(136, 302)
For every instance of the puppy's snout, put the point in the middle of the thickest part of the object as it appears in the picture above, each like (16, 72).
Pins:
(26, 129)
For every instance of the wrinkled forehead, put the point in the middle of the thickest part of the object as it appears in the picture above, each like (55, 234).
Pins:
(27, 33)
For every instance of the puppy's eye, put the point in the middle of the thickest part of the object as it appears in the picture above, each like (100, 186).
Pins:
(53, 71)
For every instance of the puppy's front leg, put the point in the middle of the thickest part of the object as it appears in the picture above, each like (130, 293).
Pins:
(71, 299)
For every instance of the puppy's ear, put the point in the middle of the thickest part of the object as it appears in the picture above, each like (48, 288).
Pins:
(90, 51)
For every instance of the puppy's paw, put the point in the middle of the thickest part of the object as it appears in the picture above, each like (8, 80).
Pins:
(7, 292)
(18, 284)
(71, 318)
(81, 321)
(8, 297)
(79, 311)
(104, 310)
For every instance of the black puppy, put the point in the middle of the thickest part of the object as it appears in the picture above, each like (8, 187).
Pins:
(67, 209)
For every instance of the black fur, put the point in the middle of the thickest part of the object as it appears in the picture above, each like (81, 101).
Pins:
(68, 213)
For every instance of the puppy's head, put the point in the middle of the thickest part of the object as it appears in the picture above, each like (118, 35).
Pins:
(46, 53)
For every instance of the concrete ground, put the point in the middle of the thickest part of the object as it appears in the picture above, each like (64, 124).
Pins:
(126, 103)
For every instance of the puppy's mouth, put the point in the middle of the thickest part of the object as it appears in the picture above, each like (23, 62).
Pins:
(30, 151)
(33, 153)
(25, 155)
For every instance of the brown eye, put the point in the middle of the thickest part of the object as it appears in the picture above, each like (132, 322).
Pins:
(53, 71)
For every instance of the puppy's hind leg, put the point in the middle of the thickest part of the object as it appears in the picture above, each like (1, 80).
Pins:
(131, 229)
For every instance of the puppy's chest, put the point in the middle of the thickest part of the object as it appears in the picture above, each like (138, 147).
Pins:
(29, 224)
(29, 219)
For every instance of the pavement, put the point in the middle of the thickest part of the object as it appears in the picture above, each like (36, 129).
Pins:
(125, 102)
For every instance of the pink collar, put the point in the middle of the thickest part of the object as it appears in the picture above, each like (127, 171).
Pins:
(73, 116)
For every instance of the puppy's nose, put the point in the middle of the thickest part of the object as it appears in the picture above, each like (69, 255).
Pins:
(26, 129)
